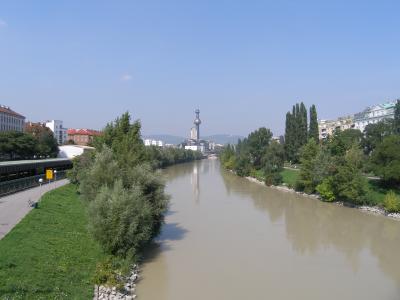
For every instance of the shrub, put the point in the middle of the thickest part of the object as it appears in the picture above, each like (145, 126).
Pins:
(349, 184)
(325, 189)
(121, 219)
(273, 179)
(392, 202)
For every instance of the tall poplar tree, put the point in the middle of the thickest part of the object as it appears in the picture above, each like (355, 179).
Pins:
(313, 131)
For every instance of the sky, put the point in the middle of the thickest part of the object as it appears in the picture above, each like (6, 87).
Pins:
(242, 63)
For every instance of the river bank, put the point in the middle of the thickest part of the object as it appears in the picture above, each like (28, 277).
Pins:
(365, 208)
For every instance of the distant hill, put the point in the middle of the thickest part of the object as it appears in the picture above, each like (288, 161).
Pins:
(224, 138)
(217, 138)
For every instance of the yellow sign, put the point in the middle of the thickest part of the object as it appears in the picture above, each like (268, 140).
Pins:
(49, 174)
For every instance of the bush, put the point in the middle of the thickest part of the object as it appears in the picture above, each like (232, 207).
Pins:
(273, 179)
(350, 185)
(325, 189)
(121, 219)
(392, 202)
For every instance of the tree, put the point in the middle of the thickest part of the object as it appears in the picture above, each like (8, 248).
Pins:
(313, 131)
(17, 145)
(46, 144)
(296, 131)
(257, 143)
(316, 165)
(385, 160)
(342, 141)
(374, 135)
(397, 117)
(289, 137)
(273, 162)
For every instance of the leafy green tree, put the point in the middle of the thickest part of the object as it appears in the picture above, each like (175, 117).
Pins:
(349, 183)
(296, 132)
(374, 135)
(313, 131)
(342, 141)
(257, 143)
(46, 144)
(273, 162)
(17, 145)
(316, 165)
(385, 160)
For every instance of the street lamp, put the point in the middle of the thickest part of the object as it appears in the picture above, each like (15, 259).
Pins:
(55, 178)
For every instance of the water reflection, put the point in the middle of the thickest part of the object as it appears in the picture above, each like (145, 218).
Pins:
(313, 226)
(222, 230)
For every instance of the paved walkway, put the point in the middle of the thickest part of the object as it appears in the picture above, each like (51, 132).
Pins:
(13, 208)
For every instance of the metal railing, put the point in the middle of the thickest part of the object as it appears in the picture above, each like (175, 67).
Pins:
(16, 185)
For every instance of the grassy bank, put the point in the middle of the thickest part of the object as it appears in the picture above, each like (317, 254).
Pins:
(289, 177)
(375, 196)
(50, 254)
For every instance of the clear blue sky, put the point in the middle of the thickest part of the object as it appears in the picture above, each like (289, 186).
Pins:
(243, 63)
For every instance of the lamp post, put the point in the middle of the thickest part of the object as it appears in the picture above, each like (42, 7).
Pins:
(55, 178)
(40, 188)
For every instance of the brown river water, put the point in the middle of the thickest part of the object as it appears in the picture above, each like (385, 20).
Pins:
(228, 238)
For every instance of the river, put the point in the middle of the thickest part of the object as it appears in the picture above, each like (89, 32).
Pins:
(228, 238)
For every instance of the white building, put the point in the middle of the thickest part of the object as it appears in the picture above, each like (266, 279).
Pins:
(10, 120)
(71, 151)
(374, 114)
(200, 148)
(149, 142)
(60, 133)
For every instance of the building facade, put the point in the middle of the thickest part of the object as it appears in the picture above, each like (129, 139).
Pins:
(60, 133)
(10, 120)
(327, 127)
(82, 137)
(374, 114)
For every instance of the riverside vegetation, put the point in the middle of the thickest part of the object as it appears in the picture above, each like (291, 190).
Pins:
(94, 230)
(124, 194)
(335, 168)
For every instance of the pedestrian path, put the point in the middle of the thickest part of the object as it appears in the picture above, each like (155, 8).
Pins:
(13, 208)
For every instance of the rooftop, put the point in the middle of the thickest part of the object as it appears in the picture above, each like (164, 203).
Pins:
(9, 111)
(83, 132)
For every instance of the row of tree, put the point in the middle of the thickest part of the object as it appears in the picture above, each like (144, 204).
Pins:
(335, 167)
(123, 190)
(27, 145)
(257, 155)
(298, 131)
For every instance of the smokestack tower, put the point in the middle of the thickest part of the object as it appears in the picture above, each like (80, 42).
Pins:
(197, 123)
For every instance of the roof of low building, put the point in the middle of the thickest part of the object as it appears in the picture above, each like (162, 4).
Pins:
(85, 131)
(9, 111)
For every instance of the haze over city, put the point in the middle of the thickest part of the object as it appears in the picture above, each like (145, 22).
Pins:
(247, 61)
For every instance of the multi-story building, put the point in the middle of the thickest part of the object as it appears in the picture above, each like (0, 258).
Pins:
(60, 133)
(328, 127)
(10, 120)
(82, 137)
(374, 114)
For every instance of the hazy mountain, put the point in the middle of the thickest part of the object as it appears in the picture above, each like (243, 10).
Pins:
(223, 138)
(217, 138)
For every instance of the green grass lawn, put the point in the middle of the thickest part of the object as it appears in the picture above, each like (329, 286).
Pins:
(290, 176)
(377, 192)
(50, 254)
